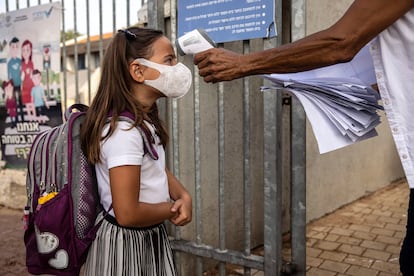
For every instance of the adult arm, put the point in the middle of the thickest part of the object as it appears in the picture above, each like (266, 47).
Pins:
(364, 20)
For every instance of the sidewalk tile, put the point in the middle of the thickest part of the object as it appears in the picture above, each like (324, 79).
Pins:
(364, 236)
(385, 267)
(334, 266)
(359, 261)
(333, 256)
(361, 271)
(319, 272)
(376, 254)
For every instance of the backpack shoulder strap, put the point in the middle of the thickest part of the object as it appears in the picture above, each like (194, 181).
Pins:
(78, 106)
(145, 134)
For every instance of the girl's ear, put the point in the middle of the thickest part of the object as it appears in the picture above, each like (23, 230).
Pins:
(136, 70)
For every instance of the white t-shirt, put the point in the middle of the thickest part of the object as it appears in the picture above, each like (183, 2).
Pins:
(126, 147)
(393, 55)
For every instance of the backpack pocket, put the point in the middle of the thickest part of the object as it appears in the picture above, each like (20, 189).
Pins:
(49, 240)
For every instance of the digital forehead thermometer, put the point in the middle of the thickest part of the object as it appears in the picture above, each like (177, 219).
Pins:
(194, 42)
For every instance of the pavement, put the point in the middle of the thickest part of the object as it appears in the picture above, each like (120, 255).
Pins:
(362, 238)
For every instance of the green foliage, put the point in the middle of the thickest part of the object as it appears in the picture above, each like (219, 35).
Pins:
(69, 34)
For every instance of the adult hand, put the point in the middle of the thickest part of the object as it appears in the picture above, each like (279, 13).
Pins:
(219, 64)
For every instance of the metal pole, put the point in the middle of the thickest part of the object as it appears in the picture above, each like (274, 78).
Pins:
(273, 157)
(272, 183)
(175, 128)
(65, 82)
(100, 32)
(246, 163)
(155, 10)
(114, 17)
(88, 51)
(75, 53)
(197, 168)
(128, 11)
(221, 139)
(298, 157)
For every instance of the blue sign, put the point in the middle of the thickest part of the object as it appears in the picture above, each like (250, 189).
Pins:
(228, 20)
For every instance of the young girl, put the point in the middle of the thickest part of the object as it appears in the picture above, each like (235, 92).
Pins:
(138, 190)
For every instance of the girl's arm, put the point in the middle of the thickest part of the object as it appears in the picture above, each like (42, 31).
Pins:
(125, 187)
(182, 201)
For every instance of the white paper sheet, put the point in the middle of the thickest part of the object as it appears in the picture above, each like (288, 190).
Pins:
(338, 100)
(361, 67)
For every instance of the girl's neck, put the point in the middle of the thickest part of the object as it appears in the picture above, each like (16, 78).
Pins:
(146, 108)
(145, 97)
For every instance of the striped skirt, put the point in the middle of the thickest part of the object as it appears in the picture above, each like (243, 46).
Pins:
(119, 251)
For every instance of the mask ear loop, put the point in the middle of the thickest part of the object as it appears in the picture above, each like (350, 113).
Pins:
(153, 65)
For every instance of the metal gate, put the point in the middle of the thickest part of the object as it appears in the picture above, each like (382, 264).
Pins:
(239, 151)
(275, 107)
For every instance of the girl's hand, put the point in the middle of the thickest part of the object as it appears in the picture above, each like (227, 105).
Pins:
(182, 208)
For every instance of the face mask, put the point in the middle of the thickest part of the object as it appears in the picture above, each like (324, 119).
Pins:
(174, 81)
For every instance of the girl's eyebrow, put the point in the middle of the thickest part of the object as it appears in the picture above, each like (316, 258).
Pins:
(173, 56)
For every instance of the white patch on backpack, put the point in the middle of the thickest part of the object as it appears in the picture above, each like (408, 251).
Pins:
(46, 241)
(61, 259)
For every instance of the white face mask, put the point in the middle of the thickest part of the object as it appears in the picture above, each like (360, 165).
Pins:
(174, 81)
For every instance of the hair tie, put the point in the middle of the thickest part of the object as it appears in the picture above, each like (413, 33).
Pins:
(128, 34)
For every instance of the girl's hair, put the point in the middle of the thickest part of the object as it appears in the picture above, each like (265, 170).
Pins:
(114, 94)
(28, 42)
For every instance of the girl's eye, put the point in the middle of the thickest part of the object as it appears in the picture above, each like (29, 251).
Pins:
(170, 61)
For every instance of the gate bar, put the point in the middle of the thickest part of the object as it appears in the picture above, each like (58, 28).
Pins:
(298, 157)
(273, 157)
(227, 256)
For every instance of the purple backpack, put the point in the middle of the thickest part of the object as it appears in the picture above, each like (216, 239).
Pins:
(63, 201)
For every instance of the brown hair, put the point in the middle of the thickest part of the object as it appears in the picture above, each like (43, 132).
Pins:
(6, 83)
(114, 94)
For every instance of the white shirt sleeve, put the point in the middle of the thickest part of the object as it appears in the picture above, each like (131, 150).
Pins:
(124, 147)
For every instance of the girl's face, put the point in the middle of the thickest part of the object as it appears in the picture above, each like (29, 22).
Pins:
(26, 52)
(163, 53)
(9, 90)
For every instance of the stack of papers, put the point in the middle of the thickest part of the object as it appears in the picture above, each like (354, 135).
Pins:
(339, 101)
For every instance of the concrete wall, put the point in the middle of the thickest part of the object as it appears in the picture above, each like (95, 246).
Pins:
(13, 189)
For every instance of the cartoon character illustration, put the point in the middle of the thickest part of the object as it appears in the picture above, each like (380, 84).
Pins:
(11, 105)
(38, 94)
(14, 71)
(26, 75)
